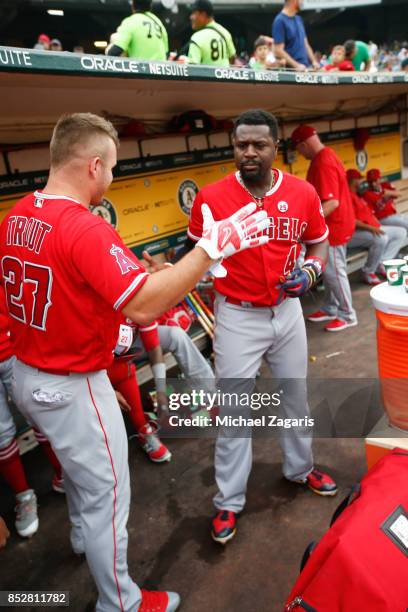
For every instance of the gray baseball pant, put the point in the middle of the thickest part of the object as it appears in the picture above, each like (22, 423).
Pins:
(191, 362)
(80, 416)
(337, 301)
(398, 220)
(243, 336)
(7, 425)
(380, 247)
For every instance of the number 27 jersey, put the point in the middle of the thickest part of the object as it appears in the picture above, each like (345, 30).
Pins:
(67, 276)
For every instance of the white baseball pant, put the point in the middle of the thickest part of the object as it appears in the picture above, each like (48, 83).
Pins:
(380, 247)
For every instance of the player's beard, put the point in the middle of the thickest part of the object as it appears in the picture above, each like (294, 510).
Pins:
(252, 176)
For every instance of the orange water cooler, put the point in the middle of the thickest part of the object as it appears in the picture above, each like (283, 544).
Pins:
(391, 304)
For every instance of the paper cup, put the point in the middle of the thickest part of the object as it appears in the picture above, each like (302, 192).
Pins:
(393, 271)
(404, 274)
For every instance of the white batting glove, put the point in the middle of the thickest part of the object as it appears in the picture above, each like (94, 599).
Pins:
(224, 238)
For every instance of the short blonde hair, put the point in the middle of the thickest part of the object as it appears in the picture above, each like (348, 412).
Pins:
(75, 131)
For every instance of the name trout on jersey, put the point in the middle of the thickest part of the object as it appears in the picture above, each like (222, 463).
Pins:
(28, 233)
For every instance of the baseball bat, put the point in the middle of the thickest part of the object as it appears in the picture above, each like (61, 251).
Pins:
(203, 320)
(203, 324)
(201, 311)
(204, 305)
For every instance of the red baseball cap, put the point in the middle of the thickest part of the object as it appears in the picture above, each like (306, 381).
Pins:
(374, 174)
(44, 38)
(302, 133)
(353, 174)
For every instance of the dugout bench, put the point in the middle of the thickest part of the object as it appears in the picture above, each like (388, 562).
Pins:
(358, 257)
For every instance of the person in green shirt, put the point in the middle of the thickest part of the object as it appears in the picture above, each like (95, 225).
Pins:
(211, 43)
(141, 36)
(358, 53)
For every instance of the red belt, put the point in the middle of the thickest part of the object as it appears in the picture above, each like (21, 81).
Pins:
(231, 300)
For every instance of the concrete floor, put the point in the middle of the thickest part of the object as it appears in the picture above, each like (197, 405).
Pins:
(171, 509)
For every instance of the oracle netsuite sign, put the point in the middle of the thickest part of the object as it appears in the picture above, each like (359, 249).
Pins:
(327, 4)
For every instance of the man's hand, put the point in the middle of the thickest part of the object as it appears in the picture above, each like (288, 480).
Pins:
(300, 67)
(240, 231)
(124, 406)
(302, 279)
(377, 231)
(151, 265)
(4, 533)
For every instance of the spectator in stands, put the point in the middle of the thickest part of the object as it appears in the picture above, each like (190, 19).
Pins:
(381, 196)
(358, 53)
(211, 44)
(382, 242)
(141, 36)
(404, 65)
(43, 43)
(78, 49)
(56, 45)
(291, 43)
(328, 176)
(338, 60)
(261, 59)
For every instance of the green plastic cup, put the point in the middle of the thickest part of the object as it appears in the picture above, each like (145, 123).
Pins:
(404, 274)
(393, 271)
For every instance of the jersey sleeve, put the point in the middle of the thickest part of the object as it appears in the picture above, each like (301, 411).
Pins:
(231, 47)
(317, 230)
(166, 40)
(149, 336)
(194, 51)
(195, 225)
(107, 265)
(326, 182)
(278, 31)
(124, 35)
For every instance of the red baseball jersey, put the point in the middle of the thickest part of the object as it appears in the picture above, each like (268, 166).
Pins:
(382, 205)
(67, 275)
(328, 176)
(6, 350)
(296, 216)
(363, 212)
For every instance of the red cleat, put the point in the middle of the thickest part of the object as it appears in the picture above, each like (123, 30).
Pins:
(339, 325)
(319, 316)
(321, 483)
(224, 526)
(159, 601)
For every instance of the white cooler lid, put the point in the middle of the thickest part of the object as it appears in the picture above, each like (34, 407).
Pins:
(391, 300)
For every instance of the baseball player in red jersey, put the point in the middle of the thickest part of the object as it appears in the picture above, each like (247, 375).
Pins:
(381, 196)
(122, 374)
(383, 242)
(328, 176)
(68, 279)
(257, 312)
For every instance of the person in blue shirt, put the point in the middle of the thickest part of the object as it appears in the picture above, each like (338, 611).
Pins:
(291, 44)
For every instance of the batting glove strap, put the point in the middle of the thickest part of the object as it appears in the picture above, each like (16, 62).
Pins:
(316, 263)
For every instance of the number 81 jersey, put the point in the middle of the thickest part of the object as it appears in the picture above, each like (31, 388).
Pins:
(66, 275)
(296, 216)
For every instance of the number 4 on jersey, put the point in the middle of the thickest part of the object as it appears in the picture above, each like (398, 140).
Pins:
(17, 275)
